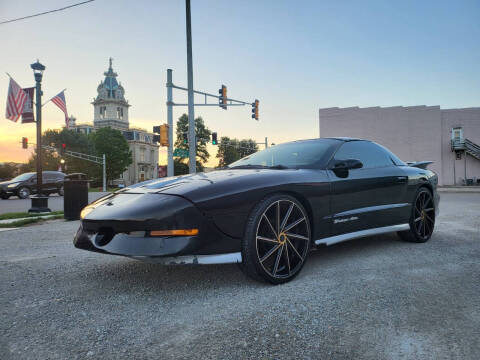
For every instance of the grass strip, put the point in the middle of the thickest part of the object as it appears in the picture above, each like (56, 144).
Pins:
(24, 222)
(19, 215)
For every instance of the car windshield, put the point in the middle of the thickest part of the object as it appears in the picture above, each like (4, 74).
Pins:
(295, 155)
(23, 177)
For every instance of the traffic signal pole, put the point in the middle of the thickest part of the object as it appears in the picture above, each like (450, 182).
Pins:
(192, 143)
(170, 123)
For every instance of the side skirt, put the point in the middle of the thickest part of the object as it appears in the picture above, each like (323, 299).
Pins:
(193, 259)
(358, 234)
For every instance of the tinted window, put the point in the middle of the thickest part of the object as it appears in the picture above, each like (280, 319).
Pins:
(370, 154)
(23, 177)
(298, 154)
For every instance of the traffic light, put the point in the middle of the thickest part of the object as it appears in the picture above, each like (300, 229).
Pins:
(222, 99)
(161, 134)
(164, 135)
(24, 143)
(255, 109)
(185, 138)
(214, 138)
(63, 148)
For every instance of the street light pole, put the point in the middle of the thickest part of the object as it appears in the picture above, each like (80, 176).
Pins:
(192, 142)
(39, 202)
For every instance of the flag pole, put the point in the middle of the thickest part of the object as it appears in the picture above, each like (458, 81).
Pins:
(53, 97)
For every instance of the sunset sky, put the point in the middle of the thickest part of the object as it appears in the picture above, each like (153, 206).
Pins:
(294, 56)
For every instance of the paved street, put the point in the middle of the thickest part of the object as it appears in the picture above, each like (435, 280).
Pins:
(55, 203)
(371, 298)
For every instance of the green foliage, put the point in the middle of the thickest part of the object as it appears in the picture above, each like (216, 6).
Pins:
(179, 168)
(203, 137)
(75, 141)
(113, 144)
(28, 221)
(20, 215)
(230, 150)
(7, 171)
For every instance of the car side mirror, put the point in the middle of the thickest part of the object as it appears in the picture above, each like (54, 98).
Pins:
(347, 164)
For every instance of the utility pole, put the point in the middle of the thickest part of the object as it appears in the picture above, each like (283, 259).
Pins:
(192, 142)
(266, 142)
(170, 123)
(39, 202)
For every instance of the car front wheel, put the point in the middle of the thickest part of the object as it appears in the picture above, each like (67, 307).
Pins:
(277, 239)
(24, 192)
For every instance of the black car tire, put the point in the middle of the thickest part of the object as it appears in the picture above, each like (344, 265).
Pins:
(60, 190)
(5, 196)
(23, 192)
(276, 253)
(422, 218)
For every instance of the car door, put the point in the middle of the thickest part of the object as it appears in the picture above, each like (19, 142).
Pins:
(368, 197)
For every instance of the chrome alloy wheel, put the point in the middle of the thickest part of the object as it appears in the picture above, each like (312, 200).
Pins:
(282, 239)
(424, 215)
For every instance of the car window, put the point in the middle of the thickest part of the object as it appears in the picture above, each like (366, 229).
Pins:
(298, 154)
(370, 154)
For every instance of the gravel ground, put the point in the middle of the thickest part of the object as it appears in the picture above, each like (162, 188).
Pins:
(371, 298)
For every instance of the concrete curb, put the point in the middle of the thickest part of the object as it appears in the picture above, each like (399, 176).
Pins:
(459, 189)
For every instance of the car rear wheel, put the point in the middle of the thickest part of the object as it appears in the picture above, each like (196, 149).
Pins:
(24, 192)
(277, 240)
(422, 219)
(60, 191)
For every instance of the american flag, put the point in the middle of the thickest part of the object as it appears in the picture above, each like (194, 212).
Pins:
(59, 100)
(16, 99)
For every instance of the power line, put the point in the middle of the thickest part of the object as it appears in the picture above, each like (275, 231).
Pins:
(46, 12)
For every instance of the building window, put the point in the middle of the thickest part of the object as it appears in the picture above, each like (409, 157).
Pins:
(103, 112)
(457, 133)
(152, 155)
(142, 155)
(120, 112)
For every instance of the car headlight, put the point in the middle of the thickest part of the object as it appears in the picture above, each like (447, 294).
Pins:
(85, 211)
(12, 185)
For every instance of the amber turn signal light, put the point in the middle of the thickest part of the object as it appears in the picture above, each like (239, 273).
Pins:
(188, 232)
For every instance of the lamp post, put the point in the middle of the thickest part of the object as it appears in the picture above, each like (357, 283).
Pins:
(39, 202)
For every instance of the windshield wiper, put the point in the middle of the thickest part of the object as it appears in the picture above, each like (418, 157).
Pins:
(252, 166)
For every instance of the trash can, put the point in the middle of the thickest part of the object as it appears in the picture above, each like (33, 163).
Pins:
(75, 196)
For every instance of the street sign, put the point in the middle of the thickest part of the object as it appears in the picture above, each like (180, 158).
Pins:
(183, 153)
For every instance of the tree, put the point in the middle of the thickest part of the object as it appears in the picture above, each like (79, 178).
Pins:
(202, 134)
(7, 171)
(231, 150)
(113, 144)
(77, 142)
(74, 141)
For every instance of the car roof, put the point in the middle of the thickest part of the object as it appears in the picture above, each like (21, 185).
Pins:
(344, 139)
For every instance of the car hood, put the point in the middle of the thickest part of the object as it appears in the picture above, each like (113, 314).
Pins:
(8, 182)
(216, 181)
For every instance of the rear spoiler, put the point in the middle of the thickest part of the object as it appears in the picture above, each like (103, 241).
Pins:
(419, 164)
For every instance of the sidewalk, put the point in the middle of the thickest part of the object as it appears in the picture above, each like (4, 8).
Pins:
(459, 189)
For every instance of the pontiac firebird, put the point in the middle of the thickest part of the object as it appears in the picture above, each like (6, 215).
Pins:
(267, 210)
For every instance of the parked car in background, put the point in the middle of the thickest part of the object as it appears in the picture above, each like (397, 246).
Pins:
(26, 184)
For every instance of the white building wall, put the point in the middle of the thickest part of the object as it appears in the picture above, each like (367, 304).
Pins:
(469, 120)
(413, 133)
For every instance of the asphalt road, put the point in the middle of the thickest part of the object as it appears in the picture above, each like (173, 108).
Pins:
(371, 298)
(55, 203)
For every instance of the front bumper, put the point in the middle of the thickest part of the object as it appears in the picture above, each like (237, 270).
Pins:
(120, 224)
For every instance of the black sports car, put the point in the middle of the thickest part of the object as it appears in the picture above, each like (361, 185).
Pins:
(268, 209)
